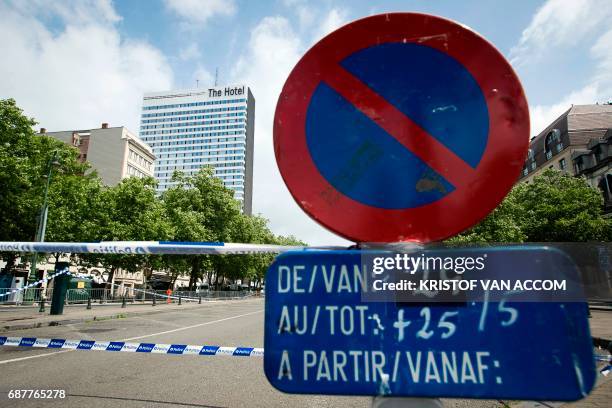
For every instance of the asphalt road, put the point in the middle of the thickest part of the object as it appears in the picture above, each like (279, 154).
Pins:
(103, 379)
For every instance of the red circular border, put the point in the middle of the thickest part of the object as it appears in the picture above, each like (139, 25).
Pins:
(470, 202)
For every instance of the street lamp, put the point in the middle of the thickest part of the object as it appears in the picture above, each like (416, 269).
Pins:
(42, 217)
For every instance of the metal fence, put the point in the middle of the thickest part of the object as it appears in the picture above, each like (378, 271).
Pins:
(27, 296)
(32, 296)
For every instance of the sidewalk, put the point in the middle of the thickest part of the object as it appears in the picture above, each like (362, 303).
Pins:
(26, 317)
(601, 324)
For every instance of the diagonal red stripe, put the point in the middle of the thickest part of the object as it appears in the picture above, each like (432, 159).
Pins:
(427, 148)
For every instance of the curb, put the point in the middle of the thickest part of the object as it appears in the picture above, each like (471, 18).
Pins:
(63, 322)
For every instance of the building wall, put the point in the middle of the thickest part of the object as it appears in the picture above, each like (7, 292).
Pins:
(576, 127)
(107, 150)
(139, 160)
(247, 205)
(554, 163)
(193, 128)
(596, 166)
(106, 154)
(581, 129)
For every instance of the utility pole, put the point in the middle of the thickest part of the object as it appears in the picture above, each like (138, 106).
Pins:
(42, 219)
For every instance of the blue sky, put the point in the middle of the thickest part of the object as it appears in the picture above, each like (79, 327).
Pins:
(76, 64)
(222, 38)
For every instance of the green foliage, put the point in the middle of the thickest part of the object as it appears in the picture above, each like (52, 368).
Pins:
(554, 207)
(80, 208)
(129, 211)
(201, 208)
(25, 162)
(24, 165)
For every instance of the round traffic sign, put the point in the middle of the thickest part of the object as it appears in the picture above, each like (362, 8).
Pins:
(401, 127)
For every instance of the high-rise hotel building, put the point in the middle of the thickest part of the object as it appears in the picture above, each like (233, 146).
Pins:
(192, 128)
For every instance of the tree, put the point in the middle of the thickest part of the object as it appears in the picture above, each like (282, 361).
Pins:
(24, 164)
(130, 211)
(554, 207)
(201, 208)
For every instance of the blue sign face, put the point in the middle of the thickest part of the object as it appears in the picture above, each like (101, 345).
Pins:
(322, 338)
(444, 99)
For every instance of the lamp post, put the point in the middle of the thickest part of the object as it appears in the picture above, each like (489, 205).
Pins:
(42, 217)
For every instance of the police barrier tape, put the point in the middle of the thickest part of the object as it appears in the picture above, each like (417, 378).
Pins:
(151, 247)
(92, 345)
(603, 357)
(176, 349)
(144, 247)
(79, 275)
(31, 285)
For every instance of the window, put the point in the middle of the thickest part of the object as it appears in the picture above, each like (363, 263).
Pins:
(604, 185)
(599, 153)
(579, 165)
(548, 154)
(553, 143)
(562, 164)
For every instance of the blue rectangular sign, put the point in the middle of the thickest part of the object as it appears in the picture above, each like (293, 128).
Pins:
(321, 337)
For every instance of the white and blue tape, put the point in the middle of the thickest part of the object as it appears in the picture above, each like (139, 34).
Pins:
(33, 284)
(79, 275)
(114, 346)
(144, 247)
(153, 348)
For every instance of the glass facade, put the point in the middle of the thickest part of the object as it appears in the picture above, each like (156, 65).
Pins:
(202, 127)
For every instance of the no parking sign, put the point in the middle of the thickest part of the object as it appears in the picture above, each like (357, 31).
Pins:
(401, 127)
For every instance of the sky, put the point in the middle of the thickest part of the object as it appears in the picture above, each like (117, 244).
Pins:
(76, 64)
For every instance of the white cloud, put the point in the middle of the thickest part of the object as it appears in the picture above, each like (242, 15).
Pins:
(83, 11)
(601, 52)
(316, 23)
(334, 19)
(559, 23)
(273, 50)
(202, 77)
(543, 115)
(80, 76)
(306, 16)
(200, 11)
(189, 52)
(558, 27)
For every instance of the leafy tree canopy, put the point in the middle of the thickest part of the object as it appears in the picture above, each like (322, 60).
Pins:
(554, 207)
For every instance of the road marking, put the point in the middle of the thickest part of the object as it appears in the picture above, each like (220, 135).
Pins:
(139, 337)
(193, 326)
(36, 356)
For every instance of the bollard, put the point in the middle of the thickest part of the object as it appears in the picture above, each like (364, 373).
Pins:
(88, 303)
(123, 304)
(60, 288)
(154, 299)
(180, 299)
(42, 305)
(200, 301)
